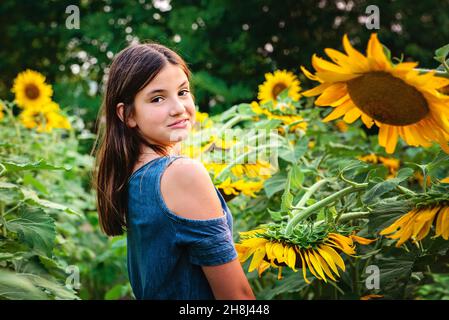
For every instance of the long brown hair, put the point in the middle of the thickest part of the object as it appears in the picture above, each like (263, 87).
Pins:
(119, 145)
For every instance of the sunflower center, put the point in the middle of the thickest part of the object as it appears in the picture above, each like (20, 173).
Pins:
(278, 88)
(388, 99)
(31, 91)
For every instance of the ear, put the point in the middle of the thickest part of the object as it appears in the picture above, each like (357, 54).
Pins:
(120, 109)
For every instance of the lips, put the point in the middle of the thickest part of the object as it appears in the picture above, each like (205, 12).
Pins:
(179, 121)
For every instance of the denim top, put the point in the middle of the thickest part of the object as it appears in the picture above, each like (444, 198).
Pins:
(166, 251)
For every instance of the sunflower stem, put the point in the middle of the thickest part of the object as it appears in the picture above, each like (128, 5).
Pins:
(9, 110)
(309, 193)
(405, 190)
(346, 217)
(352, 216)
(302, 215)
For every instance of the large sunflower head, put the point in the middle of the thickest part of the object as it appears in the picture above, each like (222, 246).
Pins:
(30, 90)
(397, 98)
(317, 251)
(277, 82)
(417, 223)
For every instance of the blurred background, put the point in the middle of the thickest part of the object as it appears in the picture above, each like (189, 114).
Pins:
(229, 44)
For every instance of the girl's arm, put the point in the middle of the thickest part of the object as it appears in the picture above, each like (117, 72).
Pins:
(188, 192)
(228, 281)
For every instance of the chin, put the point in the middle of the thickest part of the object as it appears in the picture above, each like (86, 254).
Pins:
(178, 135)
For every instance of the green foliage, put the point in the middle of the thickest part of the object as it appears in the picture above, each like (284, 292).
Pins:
(48, 221)
(224, 42)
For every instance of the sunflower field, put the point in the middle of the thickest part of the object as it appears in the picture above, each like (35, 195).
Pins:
(338, 184)
(357, 205)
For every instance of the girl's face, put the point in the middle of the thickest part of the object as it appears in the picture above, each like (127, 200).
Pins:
(162, 104)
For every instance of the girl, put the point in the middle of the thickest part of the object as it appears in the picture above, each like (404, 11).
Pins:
(179, 228)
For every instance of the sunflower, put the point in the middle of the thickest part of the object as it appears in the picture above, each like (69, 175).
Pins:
(1, 111)
(44, 119)
(247, 187)
(341, 126)
(293, 121)
(277, 82)
(417, 223)
(322, 259)
(30, 90)
(392, 164)
(397, 98)
(202, 121)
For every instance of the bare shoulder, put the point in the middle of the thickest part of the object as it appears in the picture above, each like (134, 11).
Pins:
(188, 190)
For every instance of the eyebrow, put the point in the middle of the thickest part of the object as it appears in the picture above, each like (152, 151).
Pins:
(163, 90)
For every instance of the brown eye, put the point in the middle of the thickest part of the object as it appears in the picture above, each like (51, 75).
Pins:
(155, 100)
(186, 92)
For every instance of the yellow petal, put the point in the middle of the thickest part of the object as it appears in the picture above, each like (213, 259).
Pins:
(352, 115)
(263, 266)
(324, 266)
(376, 52)
(399, 222)
(334, 255)
(309, 264)
(323, 65)
(362, 240)
(354, 54)
(339, 111)
(257, 259)
(317, 90)
(328, 258)
(392, 139)
(309, 75)
(304, 268)
(331, 94)
(291, 258)
(278, 251)
(316, 264)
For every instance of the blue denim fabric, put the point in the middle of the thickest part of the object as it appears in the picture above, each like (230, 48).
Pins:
(166, 251)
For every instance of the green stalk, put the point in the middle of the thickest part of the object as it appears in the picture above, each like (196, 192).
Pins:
(346, 217)
(302, 215)
(309, 193)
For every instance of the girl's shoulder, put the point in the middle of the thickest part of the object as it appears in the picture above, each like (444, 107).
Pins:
(188, 190)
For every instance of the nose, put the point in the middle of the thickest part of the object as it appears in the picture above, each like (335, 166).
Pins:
(178, 107)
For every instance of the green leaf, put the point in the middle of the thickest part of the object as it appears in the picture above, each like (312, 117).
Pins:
(31, 197)
(116, 292)
(28, 179)
(275, 184)
(288, 154)
(7, 185)
(57, 290)
(38, 165)
(287, 197)
(15, 286)
(382, 187)
(301, 147)
(268, 124)
(290, 284)
(275, 215)
(245, 109)
(442, 53)
(35, 228)
(297, 177)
